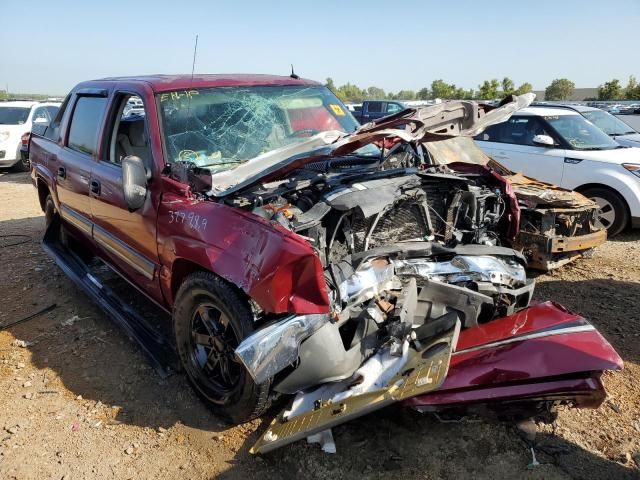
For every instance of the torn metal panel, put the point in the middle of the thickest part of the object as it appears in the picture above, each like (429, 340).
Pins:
(537, 194)
(493, 363)
(435, 122)
(556, 225)
(418, 372)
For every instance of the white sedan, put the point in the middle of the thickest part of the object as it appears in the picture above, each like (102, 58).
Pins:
(16, 119)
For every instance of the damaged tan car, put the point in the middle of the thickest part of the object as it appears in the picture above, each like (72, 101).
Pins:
(557, 226)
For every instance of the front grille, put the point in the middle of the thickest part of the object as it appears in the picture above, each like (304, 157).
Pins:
(404, 221)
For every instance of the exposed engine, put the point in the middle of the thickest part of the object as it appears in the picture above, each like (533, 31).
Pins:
(400, 252)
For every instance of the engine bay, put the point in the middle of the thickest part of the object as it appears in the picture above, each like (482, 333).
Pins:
(402, 249)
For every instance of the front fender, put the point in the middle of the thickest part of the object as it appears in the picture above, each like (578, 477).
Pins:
(276, 268)
(611, 175)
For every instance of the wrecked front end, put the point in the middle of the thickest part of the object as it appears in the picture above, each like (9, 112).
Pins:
(411, 256)
(556, 225)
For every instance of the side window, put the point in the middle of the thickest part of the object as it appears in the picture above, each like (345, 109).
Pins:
(129, 131)
(85, 124)
(374, 107)
(393, 108)
(52, 110)
(53, 130)
(491, 134)
(40, 115)
(516, 130)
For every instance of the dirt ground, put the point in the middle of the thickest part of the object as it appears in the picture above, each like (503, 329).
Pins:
(78, 400)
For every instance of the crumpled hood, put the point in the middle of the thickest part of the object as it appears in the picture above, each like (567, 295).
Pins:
(532, 192)
(459, 118)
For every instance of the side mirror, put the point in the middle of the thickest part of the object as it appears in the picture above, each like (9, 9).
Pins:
(134, 182)
(41, 120)
(543, 141)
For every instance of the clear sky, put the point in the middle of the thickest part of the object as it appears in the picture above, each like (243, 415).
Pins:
(49, 46)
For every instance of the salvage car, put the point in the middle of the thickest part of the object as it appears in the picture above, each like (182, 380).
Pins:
(299, 254)
(556, 225)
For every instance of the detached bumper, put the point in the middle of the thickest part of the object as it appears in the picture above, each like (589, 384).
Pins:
(493, 363)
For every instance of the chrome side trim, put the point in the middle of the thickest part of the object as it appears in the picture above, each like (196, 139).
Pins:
(531, 336)
(124, 252)
(76, 219)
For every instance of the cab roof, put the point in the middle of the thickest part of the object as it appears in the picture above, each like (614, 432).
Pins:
(163, 83)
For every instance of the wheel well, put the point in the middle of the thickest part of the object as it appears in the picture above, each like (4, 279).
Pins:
(182, 268)
(43, 191)
(587, 186)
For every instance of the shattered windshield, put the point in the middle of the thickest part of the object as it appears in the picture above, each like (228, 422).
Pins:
(224, 127)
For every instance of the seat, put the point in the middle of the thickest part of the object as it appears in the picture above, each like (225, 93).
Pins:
(133, 140)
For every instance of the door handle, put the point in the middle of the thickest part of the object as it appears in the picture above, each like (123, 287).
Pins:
(95, 187)
(62, 172)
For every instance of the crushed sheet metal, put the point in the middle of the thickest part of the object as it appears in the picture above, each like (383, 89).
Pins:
(421, 124)
(534, 193)
(424, 372)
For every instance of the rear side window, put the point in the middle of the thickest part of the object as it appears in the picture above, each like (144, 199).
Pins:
(516, 130)
(374, 107)
(86, 120)
(393, 108)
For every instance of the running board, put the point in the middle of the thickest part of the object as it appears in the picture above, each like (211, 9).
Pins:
(157, 348)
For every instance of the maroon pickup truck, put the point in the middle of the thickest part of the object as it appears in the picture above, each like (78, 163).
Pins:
(298, 253)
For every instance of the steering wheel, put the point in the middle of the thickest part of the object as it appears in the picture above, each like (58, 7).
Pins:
(297, 133)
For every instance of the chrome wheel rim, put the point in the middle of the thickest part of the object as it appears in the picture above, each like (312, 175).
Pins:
(606, 214)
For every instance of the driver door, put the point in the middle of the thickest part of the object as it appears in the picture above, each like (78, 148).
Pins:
(127, 239)
(511, 143)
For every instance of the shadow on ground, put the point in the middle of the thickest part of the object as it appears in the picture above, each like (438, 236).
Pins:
(9, 176)
(94, 359)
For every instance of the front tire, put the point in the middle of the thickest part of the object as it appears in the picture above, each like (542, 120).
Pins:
(210, 320)
(612, 209)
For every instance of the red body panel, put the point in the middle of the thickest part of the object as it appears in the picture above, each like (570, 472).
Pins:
(165, 83)
(549, 361)
(273, 266)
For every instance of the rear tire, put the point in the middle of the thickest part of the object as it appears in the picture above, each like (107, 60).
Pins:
(612, 209)
(49, 211)
(51, 215)
(21, 166)
(210, 320)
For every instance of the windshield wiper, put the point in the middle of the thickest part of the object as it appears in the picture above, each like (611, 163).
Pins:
(228, 162)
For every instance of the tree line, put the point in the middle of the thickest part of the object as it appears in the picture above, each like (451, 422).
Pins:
(558, 89)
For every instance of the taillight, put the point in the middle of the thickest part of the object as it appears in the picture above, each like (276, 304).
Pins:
(25, 138)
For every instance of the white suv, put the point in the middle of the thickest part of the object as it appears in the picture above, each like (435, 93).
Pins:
(560, 146)
(16, 119)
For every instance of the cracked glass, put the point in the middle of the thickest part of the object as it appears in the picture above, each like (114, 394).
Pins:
(223, 127)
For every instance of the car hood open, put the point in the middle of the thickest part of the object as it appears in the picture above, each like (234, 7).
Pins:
(532, 192)
(459, 118)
